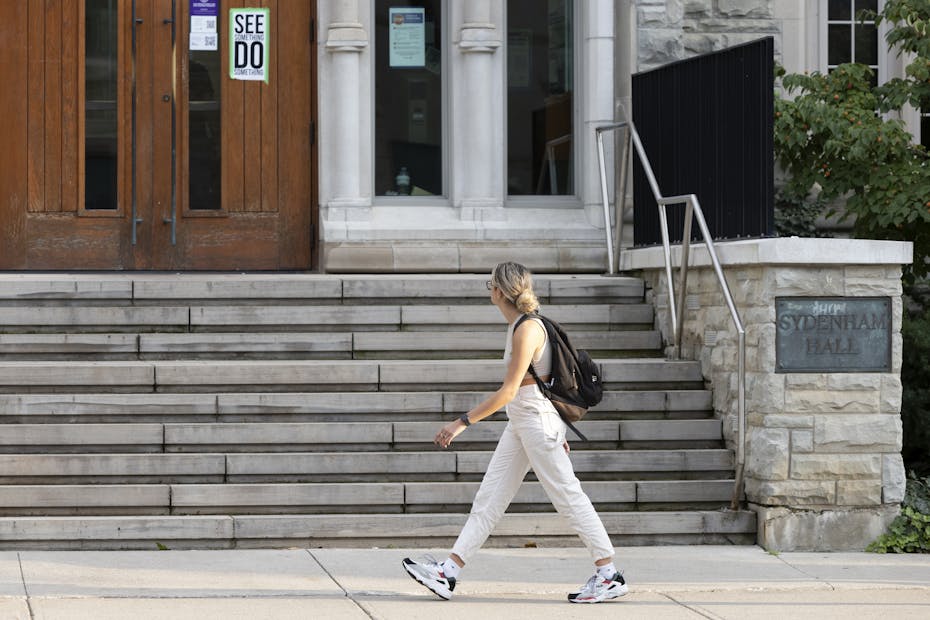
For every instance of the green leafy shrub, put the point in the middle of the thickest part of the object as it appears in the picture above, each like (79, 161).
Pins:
(833, 141)
(794, 217)
(910, 531)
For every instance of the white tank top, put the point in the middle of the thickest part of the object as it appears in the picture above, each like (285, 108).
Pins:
(542, 361)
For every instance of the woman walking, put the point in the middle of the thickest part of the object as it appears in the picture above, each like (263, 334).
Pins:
(534, 437)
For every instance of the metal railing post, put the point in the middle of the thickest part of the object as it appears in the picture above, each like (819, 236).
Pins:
(667, 250)
(620, 195)
(676, 310)
(683, 273)
(605, 198)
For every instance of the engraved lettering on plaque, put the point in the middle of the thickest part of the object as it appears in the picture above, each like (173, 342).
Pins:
(833, 334)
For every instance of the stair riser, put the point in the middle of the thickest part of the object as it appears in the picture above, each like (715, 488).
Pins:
(311, 318)
(314, 376)
(657, 404)
(359, 530)
(321, 498)
(295, 437)
(139, 288)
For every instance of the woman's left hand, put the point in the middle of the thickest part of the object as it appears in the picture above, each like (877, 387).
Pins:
(566, 446)
(448, 432)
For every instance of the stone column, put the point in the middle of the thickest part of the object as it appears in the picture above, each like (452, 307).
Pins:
(346, 39)
(625, 41)
(477, 154)
(823, 453)
(596, 92)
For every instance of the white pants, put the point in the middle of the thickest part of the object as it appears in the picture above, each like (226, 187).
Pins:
(533, 438)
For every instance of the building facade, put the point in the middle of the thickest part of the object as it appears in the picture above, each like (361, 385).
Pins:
(423, 136)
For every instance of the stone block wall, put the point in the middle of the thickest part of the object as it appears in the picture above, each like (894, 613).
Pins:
(670, 30)
(823, 450)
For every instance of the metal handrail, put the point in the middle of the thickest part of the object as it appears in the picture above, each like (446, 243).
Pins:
(676, 311)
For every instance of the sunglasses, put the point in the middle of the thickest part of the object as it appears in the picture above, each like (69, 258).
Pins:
(489, 285)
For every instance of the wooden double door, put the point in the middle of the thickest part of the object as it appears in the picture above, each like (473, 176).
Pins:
(128, 149)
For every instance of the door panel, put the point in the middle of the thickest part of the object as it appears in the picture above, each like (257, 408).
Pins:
(231, 161)
(160, 111)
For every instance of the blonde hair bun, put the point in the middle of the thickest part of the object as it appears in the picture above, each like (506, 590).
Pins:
(527, 302)
(516, 282)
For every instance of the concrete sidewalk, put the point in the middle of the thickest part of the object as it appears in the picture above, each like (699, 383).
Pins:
(665, 582)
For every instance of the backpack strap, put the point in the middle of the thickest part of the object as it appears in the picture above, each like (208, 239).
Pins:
(539, 382)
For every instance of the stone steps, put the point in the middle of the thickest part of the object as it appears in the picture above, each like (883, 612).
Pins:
(159, 288)
(312, 318)
(302, 436)
(299, 345)
(255, 410)
(360, 530)
(315, 375)
(663, 403)
(315, 406)
(347, 498)
(132, 468)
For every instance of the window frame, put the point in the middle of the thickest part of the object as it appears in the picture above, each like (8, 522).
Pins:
(544, 200)
(889, 65)
(921, 139)
(446, 48)
(124, 60)
(882, 55)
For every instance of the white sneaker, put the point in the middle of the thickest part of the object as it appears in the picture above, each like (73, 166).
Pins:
(429, 573)
(598, 589)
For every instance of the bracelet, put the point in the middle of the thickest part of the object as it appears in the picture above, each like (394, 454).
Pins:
(465, 420)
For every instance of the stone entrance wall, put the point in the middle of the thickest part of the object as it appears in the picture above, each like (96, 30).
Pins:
(823, 455)
(670, 30)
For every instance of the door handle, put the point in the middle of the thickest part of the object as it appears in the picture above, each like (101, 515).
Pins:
(166, 98)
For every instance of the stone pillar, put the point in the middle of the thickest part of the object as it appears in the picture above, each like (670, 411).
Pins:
(478, 182)
(346, 39)
(596, 66)
(625, 66)
(823, 452)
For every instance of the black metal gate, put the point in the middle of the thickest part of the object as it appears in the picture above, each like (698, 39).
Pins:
(706, 125)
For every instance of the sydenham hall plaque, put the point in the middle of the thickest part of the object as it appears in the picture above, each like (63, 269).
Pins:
(833, 334)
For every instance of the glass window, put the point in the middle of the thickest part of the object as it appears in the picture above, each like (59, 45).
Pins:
(850, 39)
(408, 98)
(840, 9)
(540, 98)
(100, 111)
(204, 129)
(867, 44)
(839, 44)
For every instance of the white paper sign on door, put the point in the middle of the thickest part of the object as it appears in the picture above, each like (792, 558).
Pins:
(248, 44)
(203, 35)
(407, 40)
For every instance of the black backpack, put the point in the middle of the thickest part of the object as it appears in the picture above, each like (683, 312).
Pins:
(576, 382)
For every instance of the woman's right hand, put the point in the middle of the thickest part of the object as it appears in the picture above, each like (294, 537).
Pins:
(448, 432)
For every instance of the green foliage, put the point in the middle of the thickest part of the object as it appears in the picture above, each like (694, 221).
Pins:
(910, 531)
(915, 405)
(832, 140)
(797, 217)
(910, 20)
